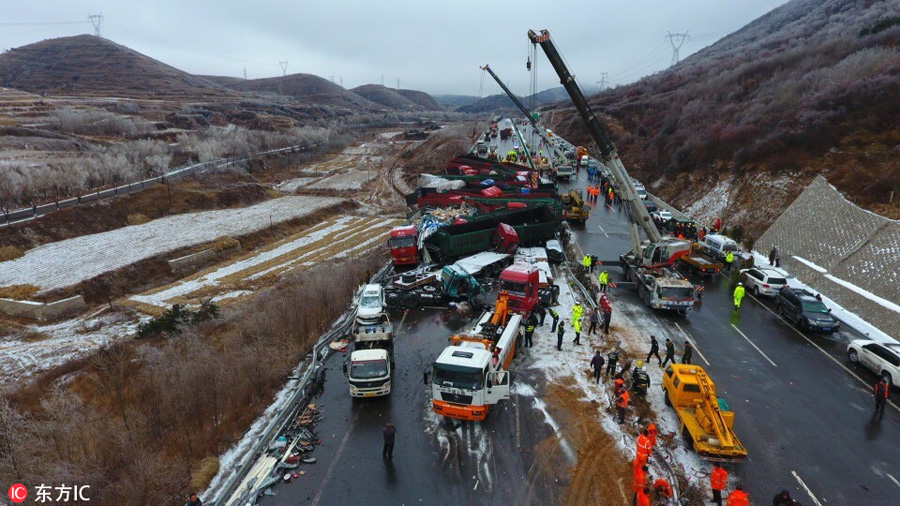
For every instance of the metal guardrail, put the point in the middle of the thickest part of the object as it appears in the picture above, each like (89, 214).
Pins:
(35, 211)
(298, 399)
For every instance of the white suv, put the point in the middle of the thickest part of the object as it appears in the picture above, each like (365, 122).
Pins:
(882, 358)
(763, 281)
(371, 305)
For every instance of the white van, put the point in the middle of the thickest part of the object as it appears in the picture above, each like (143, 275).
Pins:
(717, 246)
(371, 304)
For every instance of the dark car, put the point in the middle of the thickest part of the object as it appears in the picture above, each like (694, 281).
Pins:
(805, 310)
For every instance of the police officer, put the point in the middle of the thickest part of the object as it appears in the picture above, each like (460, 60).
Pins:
(559, 334)
(612, 358)
(541, 312)
(688, 353)
(654, 350)
(529, 331)
(555, 316)
(670, 353)
(640, 380)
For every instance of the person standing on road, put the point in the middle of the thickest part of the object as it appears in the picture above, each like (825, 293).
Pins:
(594, 319)
(560, 331)
(777, 258)
(882, 394)
(597, 365)
(688, 353)
(542, 313)
(652, 432)
(644, 447)
(607, 313)
(529, 333)
(586, 263)
(670, 353)
(390, 433)
(772, 256)
(738, 296)
(576, 326)
(639, 483)
(612, 358)
(718, 479)
(729, 260)
(577, 311)
(654, 350)
(738, 497)
(604, 281)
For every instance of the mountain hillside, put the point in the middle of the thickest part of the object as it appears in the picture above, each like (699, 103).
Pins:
(422, 99)
(308, 88)
(92, 66)
(455, 101)
(385, 96)
(738, 129)
(502, 102)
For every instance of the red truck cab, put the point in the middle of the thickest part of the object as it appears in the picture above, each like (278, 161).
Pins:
(521, 283)
(403, 244)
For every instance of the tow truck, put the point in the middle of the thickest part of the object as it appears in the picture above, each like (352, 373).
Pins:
(648, 265)
(472, 373)
(706, 421)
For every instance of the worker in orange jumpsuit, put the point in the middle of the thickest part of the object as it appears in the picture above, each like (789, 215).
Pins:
(717, 481)
(643, 446)
(738, 497)
(640, 482)
(642, 498)
(622, 405)
(663, 490)
(651, 433)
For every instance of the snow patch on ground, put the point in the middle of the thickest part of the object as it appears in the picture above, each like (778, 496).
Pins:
(349, 180)
(712, 204)
(65, 263)
(65, 341)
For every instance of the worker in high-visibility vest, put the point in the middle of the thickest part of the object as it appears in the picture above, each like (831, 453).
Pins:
(586, 263)
(643, 446)
(738, 296)
(622, 405)
(729, 260)
(604, 281)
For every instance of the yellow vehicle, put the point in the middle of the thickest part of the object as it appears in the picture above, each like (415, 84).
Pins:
(574, 208)
(706, 421)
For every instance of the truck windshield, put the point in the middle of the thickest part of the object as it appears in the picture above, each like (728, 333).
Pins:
(370, 301)
(457, 376)
(513, 287)
(368, 369)
(676, 293)
(403, 242)
(814, 306)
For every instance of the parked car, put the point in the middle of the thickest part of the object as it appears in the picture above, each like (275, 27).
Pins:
(763, 281)
(662, 215)
(555, 251)
(805, 310)
(881, 358)
(650, 205)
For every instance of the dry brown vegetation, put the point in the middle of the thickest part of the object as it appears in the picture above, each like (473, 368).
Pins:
(18, 292)
(10, 253)
(143, 422)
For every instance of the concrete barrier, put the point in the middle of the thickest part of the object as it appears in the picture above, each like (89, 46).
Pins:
(187, 262)
(855, 245)
(43, 311)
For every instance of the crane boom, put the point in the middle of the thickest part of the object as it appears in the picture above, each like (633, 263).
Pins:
(527, 113)
(610, 157)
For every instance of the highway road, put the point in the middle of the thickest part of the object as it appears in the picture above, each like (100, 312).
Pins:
(802, 410)
(435, 462)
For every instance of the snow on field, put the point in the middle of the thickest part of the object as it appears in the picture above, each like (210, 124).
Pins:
(848, 317)
(712, 204)
(349, 180)
(337, 238)
(53, 345)
(65, 263)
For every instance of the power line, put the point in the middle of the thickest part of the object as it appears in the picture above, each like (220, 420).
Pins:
(46, 23)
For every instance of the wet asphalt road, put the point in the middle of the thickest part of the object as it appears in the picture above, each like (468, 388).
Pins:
(435, 461)
(803, 418)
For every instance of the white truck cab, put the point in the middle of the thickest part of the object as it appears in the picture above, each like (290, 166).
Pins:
(369, 373)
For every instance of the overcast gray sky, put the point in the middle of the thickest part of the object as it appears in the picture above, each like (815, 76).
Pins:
(431, 46)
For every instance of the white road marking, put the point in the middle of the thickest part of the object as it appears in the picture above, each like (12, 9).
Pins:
(604, 231)
(808, 491)
(893, 479)
(754, 346)
(518, 429)
(810, 341)
(476, 486)
(696, 348)
(337, 456)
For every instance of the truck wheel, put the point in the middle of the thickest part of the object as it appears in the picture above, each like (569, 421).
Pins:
(411, 301)
(688, 440)
(666, 398)
(853, 356)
